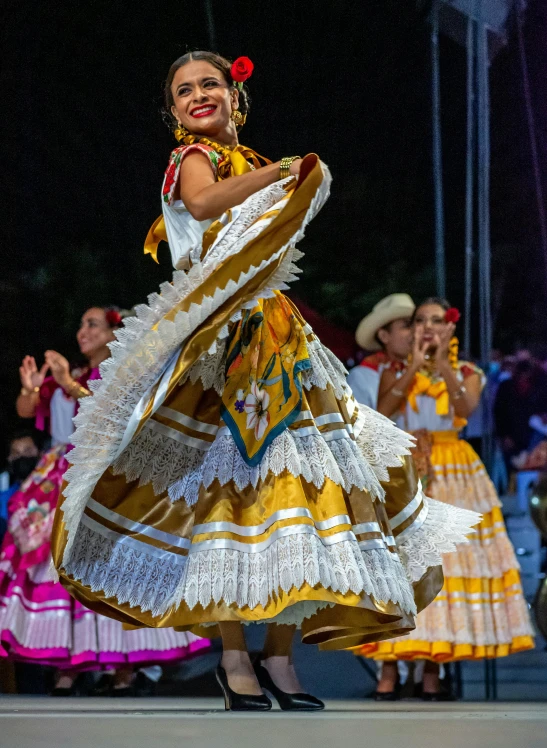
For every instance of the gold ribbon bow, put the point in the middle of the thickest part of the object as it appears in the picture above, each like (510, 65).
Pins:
(423, 385)
(235, 162)
(156, 233)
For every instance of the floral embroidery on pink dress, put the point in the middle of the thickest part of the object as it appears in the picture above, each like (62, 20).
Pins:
(39, 621)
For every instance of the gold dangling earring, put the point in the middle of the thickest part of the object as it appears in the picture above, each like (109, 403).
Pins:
(238, 118)
(180, 132)
(453, 352)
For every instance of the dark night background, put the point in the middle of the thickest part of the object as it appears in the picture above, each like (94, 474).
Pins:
(84, 149)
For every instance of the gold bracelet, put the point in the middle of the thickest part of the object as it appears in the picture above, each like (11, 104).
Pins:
(285, 166)
(76, 390)
(33, 391)
(396, 392)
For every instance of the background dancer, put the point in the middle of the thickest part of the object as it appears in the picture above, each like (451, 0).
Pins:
(481, 611)
(39, 621)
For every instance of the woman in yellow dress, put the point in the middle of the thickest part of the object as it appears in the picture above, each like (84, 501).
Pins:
(223, 472)
(481, 611)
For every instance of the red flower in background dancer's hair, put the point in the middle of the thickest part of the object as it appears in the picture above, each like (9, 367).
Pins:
(452, 315)
(113, 318)
(241, 69)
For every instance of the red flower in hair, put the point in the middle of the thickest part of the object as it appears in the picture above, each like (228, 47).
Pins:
(113, 318)
(452, 315)
(241, 69)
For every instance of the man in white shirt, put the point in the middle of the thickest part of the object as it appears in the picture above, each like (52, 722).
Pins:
(387, 334)
(386, 330)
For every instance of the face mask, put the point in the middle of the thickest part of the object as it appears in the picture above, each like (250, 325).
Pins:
(21, 468)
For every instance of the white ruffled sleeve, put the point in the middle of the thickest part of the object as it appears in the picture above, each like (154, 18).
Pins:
(184, 233)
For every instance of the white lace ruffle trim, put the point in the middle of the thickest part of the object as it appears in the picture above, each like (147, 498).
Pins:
(444, 528)
(309, 457)
(235, 577)
(380, 441)
(148, 342)
(155, 458)
(325, 369)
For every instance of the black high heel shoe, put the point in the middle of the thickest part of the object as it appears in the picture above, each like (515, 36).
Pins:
(289, 702)
(394, 695)
(103, 687)
(71, 691)
(240, 702)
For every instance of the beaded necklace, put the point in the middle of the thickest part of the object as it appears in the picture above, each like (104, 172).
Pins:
(235, 158)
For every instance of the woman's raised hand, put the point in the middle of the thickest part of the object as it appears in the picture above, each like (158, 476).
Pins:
(31, 377)
(419, 348)
(441, 341)
(60, 368)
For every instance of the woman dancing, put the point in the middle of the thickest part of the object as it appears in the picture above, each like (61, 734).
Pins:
(223, 473)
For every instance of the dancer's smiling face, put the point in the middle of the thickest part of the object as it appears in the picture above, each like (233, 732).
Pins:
(430, 318)
(94, 333)
(203, 99)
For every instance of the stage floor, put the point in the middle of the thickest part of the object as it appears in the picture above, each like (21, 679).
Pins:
(38, 722)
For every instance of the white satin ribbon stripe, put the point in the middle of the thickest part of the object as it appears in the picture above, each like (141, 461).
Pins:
(283, 514)
(409, 509)
(161, 391)
(190, 441)
(407, 512)
(254, 531)
(132, 526)
(45, 606)
(119, 539)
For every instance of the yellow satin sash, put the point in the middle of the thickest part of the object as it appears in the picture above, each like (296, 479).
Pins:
(424, 385)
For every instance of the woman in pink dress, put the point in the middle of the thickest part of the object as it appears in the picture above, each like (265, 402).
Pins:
(39, 621)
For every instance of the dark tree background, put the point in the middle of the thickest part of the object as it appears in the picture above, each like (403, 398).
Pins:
(84, 148)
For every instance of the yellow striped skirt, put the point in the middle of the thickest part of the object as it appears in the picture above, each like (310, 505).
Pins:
(481, 611)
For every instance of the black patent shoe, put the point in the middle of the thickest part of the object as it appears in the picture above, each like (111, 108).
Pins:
(103, 687)
(240, 702)
(394, 695)
(143, 685)
(288, 702)
(63, 692)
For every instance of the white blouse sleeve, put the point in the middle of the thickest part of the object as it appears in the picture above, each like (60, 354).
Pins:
(184, 233)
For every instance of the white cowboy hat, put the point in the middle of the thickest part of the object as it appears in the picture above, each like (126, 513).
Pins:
(395, 306)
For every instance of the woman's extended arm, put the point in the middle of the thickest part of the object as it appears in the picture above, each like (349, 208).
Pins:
(31, 381)
(464, 397)
(206, 198)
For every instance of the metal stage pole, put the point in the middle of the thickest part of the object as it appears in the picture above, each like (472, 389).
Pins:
(211, 32)
(440, 264)
(483, 152)
(469, 183)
